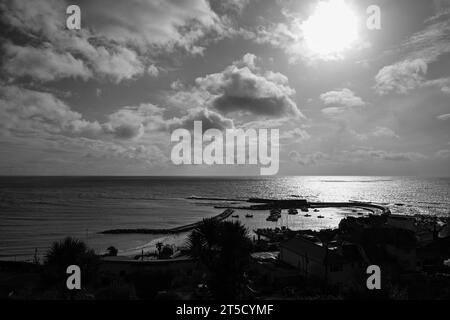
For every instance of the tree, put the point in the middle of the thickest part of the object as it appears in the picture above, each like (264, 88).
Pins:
(203, 240)
(224, 248)
(70, 251)
(112, 251)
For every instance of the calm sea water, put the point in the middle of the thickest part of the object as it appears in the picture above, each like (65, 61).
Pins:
(34, 211)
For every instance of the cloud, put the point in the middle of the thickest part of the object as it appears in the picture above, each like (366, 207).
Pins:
(241, 89)
(431, 42)
(62, 53)
(24, 111)
(43, 64)
(344, 97)
(131, 122)
(154, 24)
(297, 134)
(46, 17)
(99, 149)
(229, 6)
(443, 154)
(41, 123)
(333, 112)
(386, 155)
(209, 119)
(153, 70)
(444, 116)
(401, 77)
(108, 46)
(308, 159)
(419, 50)
(384, 132)
(244, 89)
(119, 63)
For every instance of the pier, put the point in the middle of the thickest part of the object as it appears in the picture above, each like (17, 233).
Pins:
(176, 230)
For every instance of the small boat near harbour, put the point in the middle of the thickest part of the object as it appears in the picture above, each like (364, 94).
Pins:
(320, 217)
(248, 215)
(292, 211)
(235, 216)
(272, 218)
(274, 215)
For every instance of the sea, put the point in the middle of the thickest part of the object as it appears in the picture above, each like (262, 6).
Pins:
(36, 211)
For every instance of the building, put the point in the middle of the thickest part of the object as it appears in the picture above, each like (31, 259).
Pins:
(338, 265)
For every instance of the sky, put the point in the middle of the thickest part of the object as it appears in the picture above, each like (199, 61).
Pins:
(104, 100)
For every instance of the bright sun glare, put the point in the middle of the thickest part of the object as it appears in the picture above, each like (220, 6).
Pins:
(331, 29)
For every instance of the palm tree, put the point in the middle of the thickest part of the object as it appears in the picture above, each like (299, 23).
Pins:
(224, 249)
(71, 251)
(203, 241)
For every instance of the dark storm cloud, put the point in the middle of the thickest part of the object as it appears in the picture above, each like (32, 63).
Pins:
(243, 88)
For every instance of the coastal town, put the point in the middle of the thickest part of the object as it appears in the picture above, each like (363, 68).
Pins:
(412, 253)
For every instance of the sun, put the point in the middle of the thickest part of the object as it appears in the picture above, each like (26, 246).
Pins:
(331, 29)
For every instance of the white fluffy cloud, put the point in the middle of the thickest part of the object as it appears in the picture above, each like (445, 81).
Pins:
(419, 50)
(444, 116)
(385, 155)
(308, 159)
(343, 97)
(108, 46)
(381, 132)
(443, 154)
(43, 64)
(152, 22)
(401, 77)
(26, 111)
(132, 122)
(296, 134)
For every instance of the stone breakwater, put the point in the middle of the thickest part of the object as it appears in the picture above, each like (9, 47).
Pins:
(187, 227)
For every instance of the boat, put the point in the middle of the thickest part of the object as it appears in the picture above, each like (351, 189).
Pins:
(235, 216)
(272, 218)
(320, 217)
(292, 211)
(304, 209)
(316, 210)
(248, 215)
(307, 215)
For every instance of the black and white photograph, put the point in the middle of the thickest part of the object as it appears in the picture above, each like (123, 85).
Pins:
(248, 151)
